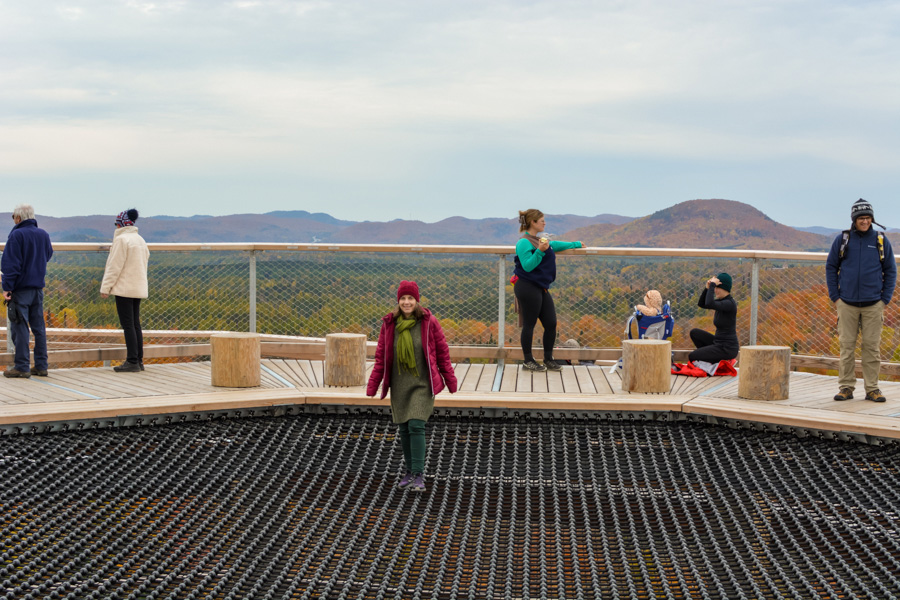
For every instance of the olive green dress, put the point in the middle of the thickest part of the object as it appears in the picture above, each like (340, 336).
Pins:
(411, 396)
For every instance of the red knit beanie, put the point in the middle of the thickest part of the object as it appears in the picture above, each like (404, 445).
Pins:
(408, 287)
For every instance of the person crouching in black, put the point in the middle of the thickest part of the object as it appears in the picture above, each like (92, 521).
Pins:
(724, 345)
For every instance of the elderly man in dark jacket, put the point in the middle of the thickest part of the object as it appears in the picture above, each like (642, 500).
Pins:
(24, 266)
(861, 274)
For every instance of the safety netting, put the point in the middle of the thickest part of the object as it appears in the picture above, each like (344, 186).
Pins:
(578, 506)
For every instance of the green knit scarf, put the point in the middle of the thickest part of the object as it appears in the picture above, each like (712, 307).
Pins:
(405, 353)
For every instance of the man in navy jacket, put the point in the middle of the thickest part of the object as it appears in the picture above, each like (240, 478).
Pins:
(861, 274)
(24, 266)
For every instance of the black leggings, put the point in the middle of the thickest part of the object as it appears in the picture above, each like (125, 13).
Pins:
(129, 310)
(710, 351)
(536, 303)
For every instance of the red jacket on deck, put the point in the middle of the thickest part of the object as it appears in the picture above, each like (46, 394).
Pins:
(437, 355)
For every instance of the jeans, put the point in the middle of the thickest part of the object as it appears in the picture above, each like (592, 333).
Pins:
(29, 304)
(412, 440)
(129, 310)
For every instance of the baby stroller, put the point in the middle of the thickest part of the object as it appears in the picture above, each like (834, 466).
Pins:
(656, 327)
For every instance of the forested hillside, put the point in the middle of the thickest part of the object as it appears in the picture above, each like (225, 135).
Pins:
(704, 224)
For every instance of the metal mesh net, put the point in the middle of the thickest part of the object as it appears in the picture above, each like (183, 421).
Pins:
(577, 507)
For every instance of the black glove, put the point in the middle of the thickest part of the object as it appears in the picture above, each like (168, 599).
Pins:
(12, 312)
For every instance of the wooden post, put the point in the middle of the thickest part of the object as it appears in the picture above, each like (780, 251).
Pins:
(235, 359)
(764, 372)
(646, 366)
(345, 359)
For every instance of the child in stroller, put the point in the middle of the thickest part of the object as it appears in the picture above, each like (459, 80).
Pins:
(653, 320)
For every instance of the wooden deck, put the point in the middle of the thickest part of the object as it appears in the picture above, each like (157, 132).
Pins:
(100, 393)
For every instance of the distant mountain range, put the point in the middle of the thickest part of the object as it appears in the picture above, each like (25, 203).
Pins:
(691, 224)
(304, 227)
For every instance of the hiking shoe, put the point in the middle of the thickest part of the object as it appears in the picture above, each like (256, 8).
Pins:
(552, 365)
(127, 367)
(38, 372)
(846, 393)
(418, 484)
(16, 373)
(875, 396)
(531, 365)
(407, 479)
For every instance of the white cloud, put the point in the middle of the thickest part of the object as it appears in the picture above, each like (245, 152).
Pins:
(72, 13)
(382, 89)
(156, 8)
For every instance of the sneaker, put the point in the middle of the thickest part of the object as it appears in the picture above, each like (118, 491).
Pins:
(875, 396)
(16, 373)
(552, 365)
(127, 367)
(418, 484)
(531, 365)
(38, 372)
(407, 479)
(846, 393)
(141, 365)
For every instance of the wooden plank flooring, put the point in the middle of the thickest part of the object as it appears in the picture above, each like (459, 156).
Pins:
(584, 386)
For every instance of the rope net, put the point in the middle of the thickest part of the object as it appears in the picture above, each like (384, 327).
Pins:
(516, 508)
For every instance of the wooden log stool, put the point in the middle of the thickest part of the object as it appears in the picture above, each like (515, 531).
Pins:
(345, 359)
(764, 372)
(646, 366)
(235, 359)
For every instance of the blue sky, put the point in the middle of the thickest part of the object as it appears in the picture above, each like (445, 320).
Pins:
(384, 109)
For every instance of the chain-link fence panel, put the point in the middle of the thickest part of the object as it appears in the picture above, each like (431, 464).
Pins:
(198, 291)
(312, 293)
(595, 295)
(316, 293)
(188, 291)
(795, 311)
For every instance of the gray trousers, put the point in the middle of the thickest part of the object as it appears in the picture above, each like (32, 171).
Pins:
(853, 320)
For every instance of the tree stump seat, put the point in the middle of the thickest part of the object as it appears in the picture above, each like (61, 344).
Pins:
(345, 359)
(235, 359)
(764, 372)
(646, 366)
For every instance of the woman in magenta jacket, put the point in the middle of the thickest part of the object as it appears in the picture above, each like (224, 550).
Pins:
(413, 361)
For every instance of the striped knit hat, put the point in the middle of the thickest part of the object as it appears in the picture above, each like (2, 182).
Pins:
(126, 218)
(861, 208)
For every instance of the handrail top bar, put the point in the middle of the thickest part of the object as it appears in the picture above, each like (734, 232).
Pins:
(448, 249)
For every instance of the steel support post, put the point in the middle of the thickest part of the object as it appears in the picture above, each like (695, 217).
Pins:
(754, 300)
(252, 328)
(501, 319)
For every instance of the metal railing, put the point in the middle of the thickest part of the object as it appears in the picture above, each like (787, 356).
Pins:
(315, 289)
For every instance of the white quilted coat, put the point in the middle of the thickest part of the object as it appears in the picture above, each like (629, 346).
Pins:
(126, 266)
